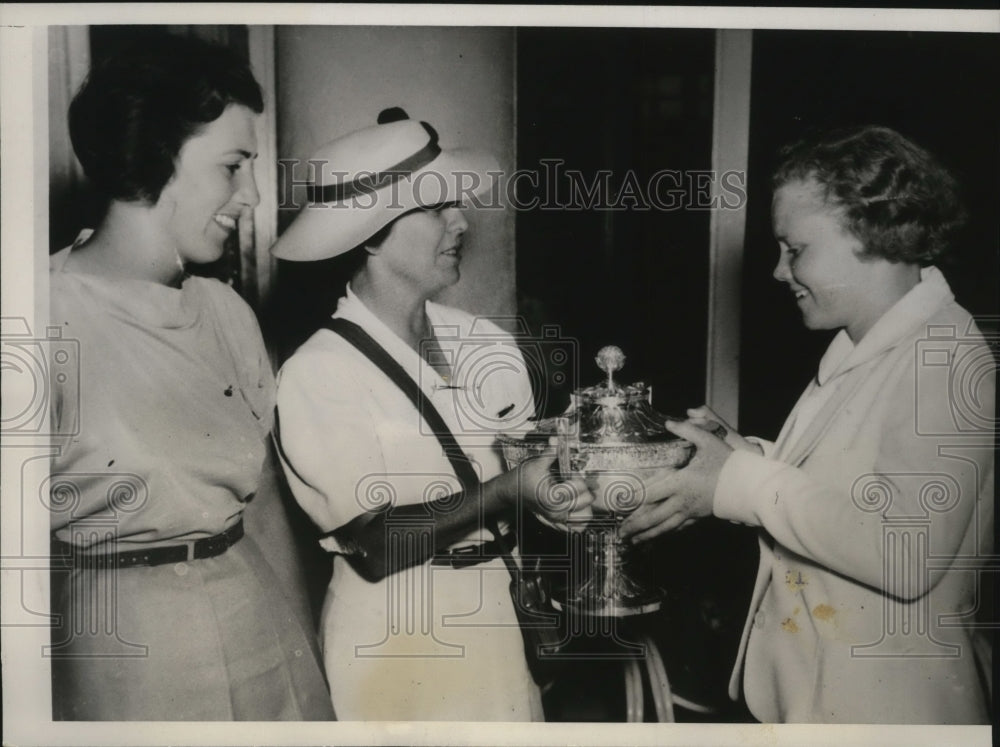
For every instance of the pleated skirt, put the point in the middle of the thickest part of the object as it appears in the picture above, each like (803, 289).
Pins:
(211, 639)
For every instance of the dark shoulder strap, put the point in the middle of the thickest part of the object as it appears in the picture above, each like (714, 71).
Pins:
(464, 470)
(378, 355)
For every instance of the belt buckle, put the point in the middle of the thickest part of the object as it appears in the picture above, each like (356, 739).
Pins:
(458, 557)
(468, 555)
(467, 550)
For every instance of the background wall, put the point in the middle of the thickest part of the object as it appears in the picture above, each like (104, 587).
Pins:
(332, 80)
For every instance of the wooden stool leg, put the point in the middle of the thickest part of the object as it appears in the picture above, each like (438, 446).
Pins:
(633, 692)
(659, 685)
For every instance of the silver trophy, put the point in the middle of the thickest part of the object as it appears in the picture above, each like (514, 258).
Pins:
(612, 437)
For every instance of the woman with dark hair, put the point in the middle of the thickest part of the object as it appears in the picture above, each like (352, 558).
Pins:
(875, 504)
(165, 610)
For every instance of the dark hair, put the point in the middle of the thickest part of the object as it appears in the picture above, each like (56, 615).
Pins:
(351, 262)
(137, 108)
(899, 201)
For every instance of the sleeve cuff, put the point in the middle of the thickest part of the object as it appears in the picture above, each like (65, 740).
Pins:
(346, 548)
(739, 488)
(329, 544)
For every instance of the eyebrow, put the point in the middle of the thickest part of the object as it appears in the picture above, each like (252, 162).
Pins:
(240, 151)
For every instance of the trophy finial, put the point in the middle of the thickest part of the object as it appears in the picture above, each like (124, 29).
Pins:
(609, 359)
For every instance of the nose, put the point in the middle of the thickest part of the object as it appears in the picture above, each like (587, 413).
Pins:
(456, 220)
(246, 193)
(782, 272)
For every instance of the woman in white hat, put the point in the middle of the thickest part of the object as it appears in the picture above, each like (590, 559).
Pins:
(410, 630)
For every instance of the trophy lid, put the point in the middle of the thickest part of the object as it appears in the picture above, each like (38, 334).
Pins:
(614, 413)
(610, 412)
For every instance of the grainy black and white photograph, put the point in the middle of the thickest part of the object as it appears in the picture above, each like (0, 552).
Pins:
(480, 379)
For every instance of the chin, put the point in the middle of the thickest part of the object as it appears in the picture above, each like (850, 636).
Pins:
(809, 321)
(818, 325)
(207, 255)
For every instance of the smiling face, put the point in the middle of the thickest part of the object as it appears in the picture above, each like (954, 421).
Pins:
(423, 249)
(822, 263)
(212, 186)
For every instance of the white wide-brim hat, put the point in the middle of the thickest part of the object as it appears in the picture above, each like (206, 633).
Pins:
(363, 180)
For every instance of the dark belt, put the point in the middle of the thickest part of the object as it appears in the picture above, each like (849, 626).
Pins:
(209, 547)
(464, 557)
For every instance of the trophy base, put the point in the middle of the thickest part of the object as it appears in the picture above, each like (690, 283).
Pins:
(609, 608)
(610, 590)
(606, 579)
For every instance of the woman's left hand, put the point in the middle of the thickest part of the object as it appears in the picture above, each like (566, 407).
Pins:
(677, 498)
(533, 485)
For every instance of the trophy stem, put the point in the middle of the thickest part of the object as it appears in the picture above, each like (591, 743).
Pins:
(611, 435)
(603, 585)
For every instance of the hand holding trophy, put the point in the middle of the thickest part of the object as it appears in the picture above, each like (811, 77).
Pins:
(613, 438)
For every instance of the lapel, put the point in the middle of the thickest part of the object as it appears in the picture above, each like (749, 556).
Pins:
(796, 453)
(894, 337)
(891, 336)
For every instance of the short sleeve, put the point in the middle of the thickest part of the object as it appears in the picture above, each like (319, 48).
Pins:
(325, 437)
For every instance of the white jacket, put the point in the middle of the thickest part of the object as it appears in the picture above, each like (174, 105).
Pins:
(876, 513)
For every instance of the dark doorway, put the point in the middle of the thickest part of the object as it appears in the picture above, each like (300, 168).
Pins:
(627, 113)
(617, 107)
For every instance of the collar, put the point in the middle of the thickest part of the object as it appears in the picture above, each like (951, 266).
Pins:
(150, 303)
(353, 309)
(913, 309)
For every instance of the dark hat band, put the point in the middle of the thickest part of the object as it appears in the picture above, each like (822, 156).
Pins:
(370, 182)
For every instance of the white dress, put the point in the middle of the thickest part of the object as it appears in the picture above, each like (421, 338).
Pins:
(430, 642)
